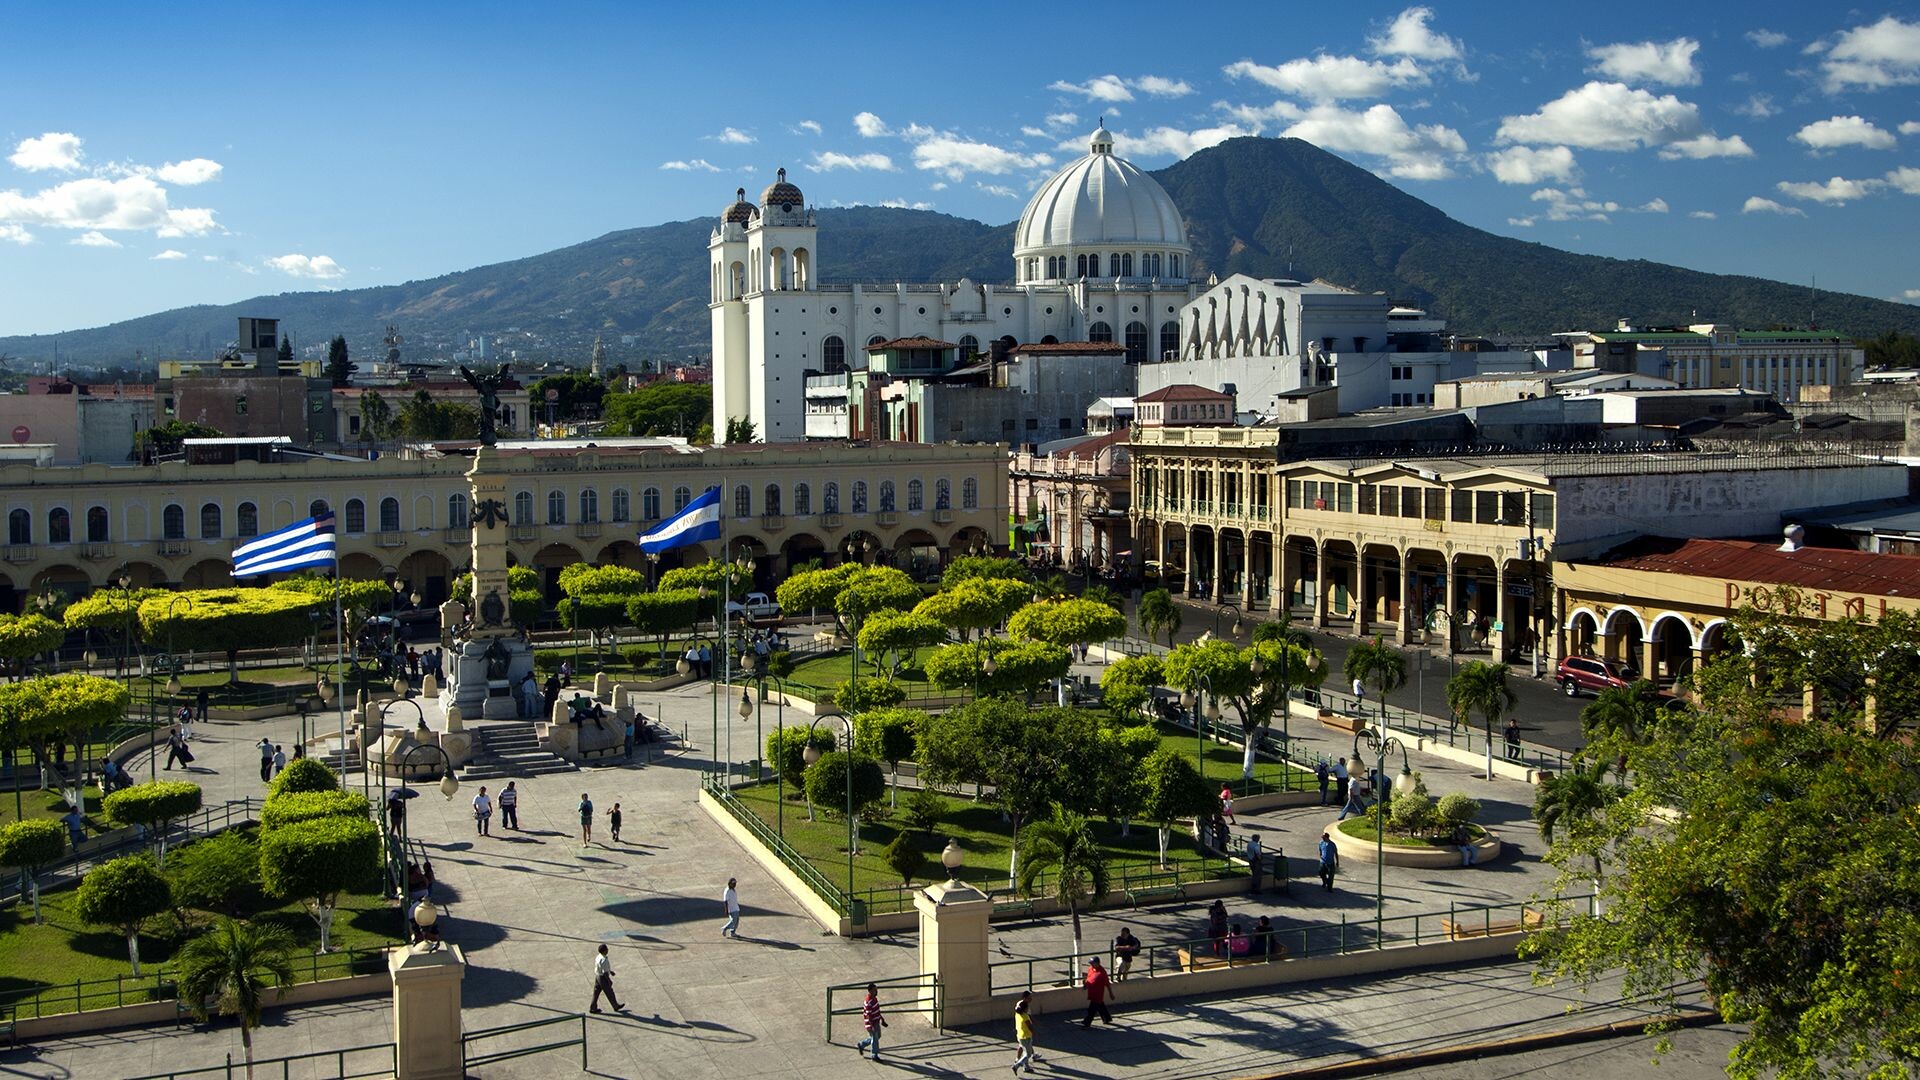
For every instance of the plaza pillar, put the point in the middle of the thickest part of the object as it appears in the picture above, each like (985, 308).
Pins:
(1603, 644)
(953, 949)
(1363, 592)
(1276, 570)
(426, 1013)
(1403, 626)
(1649, 656)
(1320, 585)
(1186, 579)
(1502, 612)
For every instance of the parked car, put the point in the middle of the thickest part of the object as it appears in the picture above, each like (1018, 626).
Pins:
(1585, 674)
(757, 605)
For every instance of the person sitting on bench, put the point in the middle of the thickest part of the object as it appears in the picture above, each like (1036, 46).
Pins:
(1238, 943)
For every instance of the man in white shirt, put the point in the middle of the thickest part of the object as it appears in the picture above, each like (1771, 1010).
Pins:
(731, 900)
(603, 982)
(482, 813)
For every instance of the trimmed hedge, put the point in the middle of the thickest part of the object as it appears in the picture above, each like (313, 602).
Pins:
(291, 807)
(302, 774)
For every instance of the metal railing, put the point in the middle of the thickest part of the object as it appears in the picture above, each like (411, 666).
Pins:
(1123, 878)
(1465, 736)
(384, 1062)
(91, 995)
(928, 997)
(471, 1060)
(833, 894)
(73, 867)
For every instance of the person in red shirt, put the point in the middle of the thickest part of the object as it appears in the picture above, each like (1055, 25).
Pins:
(1098, 990)
(872, 1021)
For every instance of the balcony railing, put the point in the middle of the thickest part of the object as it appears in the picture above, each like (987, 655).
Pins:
(96, 551)
(519, 533)
(889, 518)
(457, 536)
(587, 530)
(942, 517)
(390, 539)
(772, 522)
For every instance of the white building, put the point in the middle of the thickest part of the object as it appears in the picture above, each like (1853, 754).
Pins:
(1100, 254)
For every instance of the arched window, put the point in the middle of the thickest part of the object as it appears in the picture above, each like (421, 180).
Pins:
(173, 522)
(681, 497)
(830, 498)
(622, 505)
(59, 526)
(556, 508)
(1150, 264)
(210, 521)
(457, 510)
(523, 508)
(1126, 265)
(859, 496)
(968, 346)
(1099, 332)
(1080, 265)
(914, 493)
(98, 533)
(1049, 340)
(833, 355)
(875, 340)
(1173, 266)
(356, 516)
(942, 494)
(802, 499)
(772, 506)
(742, 501)
(650, 504)
(19, 527)
(969, 494)
(247, 520)
(389, 514)
(886, 495)
(318, 508)
(589, 506)
(1136, 343)
(1169, 340)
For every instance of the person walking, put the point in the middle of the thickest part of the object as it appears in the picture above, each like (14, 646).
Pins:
(265, 746)
(1098, 989)
(1325, 776)
(530, 696)
(1254, 860)
(566, 673)
(1513, 737)
(1226, 803)
(177, 751)
(586, 820)
(186, 722)
(1340, 780)
(1125, 948)
(1329, 860)
(613, 821)
(1359, 692)
(1023, 1031)
(871, 1019)
(552, 696)
(1356, 799)
(731, 901)
(603, 982)
(200, 704)
(510, 807)
(279, 759)
(482, 813)
(1217, 926)
(706, 661)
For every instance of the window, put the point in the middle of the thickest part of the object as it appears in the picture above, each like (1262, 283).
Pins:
(1173, 266)
(318, 508)
(1295, 493)
(742, 501)
(389, 514)
(770, 504)
(802, 499)
(1169, 340)
(1137, 343)
(247, 519)
(1126, 264)
(173, 522)
(1367, 496)
(833, 355)
(523, 507)
(942, 494)
(356, 516)
(1462, 505)
(650, 504)
(1080, 265)
(830, 499)
(1512, 509)
(19, 527)
(1345, 503)
(59, 526)
(859, 496)
(968, 346)
(1486, 507)
(681, 497)
(1436, 504)
(886, 495)
(914, 492)
(457, 510)
(875, 339)
(622, 505)
(97, 531)
(970, 494)
(1542, 511)
(589, 506)
(556, 508)
(1100, 332)
(1410, 502)
(240, 405)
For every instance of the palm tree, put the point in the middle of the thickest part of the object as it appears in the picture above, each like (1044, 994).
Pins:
(1621, 715)
(1575, 799)
(1378, 663)
(1158, 614)
(1065, 845)
(1481, 687)
(232, 965)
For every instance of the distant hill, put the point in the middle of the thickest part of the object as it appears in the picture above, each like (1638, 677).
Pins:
(1252, 205)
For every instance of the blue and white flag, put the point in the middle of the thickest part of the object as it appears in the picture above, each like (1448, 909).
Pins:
(299, 545)
(699, 521)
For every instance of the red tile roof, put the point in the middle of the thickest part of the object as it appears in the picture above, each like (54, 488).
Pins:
(1183, 392)
(1072, 348)
(911, 343)
(1835, 569)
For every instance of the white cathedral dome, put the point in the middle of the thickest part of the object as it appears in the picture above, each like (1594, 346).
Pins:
(1101, 217)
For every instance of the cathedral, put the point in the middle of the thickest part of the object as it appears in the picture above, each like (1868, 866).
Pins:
(1100, 255)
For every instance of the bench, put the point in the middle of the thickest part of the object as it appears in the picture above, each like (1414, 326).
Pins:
(1014, 906)
(1469, 928)
(1153, 893)
(1190, 962)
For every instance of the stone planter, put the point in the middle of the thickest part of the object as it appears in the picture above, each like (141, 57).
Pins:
(1485, 849)
(1352, 725)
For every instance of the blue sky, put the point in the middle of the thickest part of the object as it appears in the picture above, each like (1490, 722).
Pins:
(161, 155)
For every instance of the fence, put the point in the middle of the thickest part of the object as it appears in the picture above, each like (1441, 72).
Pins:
(206, 822)
(471, 1060)
(928, 997)
(90, 995)
(378, 1059)
(1467, 736)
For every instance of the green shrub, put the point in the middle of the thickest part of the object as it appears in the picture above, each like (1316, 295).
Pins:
(827, 781)
(1456, 810)
(925, 810)
(786, 749)
(303, 774)
(289, 807)
(1411, 814)
(32, 843)
(320, 857)
(905, 859)
(220, 873)
(152, 804)
(867, 694)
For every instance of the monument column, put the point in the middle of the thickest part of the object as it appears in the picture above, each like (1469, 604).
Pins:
(492, 655)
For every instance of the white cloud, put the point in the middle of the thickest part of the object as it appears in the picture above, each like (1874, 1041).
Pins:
(1910, 295)
(94, 238)
(1910, 127)
(14, 234)
(811, 125)
(189, 172)
(690, 165)
(1767, 39)
(1906, 178)
(55, 150)
(1707, 146)
(1757, 205)
(1842, 131)
(1874, 57)
(1098, 88)
(1001, 190)
(307, 266)
(829, 160)
(902, 204)
(1521, 222)
(1655, 205)
(870, 126)
(1419, 152)
(187, 221)
(937, 185)
(1409, 36)
(1161, 86)
(1758, 106)
(733, 136)
(1062, 120)
(1032, 132)
(954, 157)
(1258, 117)
(1174, 142)
(1703, 215)
(1606, 116)
(1331, 78)
(169, 255)
(130, 203)
(1526, 165)
(1666, 63)
(1837, 190)
(1574, 204)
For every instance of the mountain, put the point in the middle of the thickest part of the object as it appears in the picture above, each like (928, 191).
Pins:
(1253, 205)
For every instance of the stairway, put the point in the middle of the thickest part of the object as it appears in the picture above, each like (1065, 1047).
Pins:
(343, 765)
(503, 750)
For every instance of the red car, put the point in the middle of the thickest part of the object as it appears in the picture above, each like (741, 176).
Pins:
(1577, 674)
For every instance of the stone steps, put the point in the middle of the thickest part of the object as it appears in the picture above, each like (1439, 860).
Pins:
(507, 751)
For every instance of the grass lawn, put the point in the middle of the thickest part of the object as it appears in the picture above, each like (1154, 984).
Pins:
(1222, 765)
(982, 834)
(817, 679)
(1361, 828)
(49, 806)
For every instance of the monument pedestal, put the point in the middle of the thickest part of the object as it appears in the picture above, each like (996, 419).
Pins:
(472, 690)
(426, 1013)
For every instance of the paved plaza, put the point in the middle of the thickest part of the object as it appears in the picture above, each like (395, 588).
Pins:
(530, 907)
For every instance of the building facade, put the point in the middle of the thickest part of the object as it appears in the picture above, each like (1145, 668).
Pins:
(1074, 503)
(1782, 363)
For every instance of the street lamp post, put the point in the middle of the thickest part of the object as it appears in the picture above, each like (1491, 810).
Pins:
(1193, 699)
(448, 787)
(1402, 783)
(779, 738)
(812, 754)
(419, 712)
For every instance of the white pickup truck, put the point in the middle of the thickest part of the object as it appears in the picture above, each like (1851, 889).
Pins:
(757, 605)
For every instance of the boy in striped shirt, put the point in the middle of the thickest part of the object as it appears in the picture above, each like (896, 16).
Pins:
(870, 1018)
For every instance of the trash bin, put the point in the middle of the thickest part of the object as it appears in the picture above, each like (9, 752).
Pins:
(857, 912)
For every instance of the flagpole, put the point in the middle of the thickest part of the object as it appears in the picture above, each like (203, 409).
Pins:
(726, 634)
(340, 660)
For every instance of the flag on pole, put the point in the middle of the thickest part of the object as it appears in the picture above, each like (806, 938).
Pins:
(301, 544)
(697, 523)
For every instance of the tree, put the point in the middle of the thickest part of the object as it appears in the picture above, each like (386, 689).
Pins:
(1481, 687)
(811, 590)
(376, 417)
(872, 589)
(1067, 623)
(1019, 668)
(228, 620)
(662, 613)
(898, 633)
(231, 966)
(1575, 799)
(1128, 684)
(289, 807)
(1619, 717)
(301, 774)
(170, 438)
(903, 857)
(1158, 614)
(580, 394)
(153, 806)
(976, 604)
(1114, 785)
(24, 637)
(123, 894)
(340, 369)
(1380, 664)
(1100, 594)
(526, 598)
(1064, 844)
(1231, 676)
(982, 567)
(315, 861)
(598, 597)
(828, 780)
(425, 418)
(112, 614)
(889, 735)
(855, 696)
(52, 708)
(666, 408)
(218, 873)
(1174, 790)
(30, 845)
(740, 430)
(285, 356)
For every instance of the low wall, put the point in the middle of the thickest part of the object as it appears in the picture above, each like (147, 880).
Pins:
(1485, 849)
(167, 1012)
